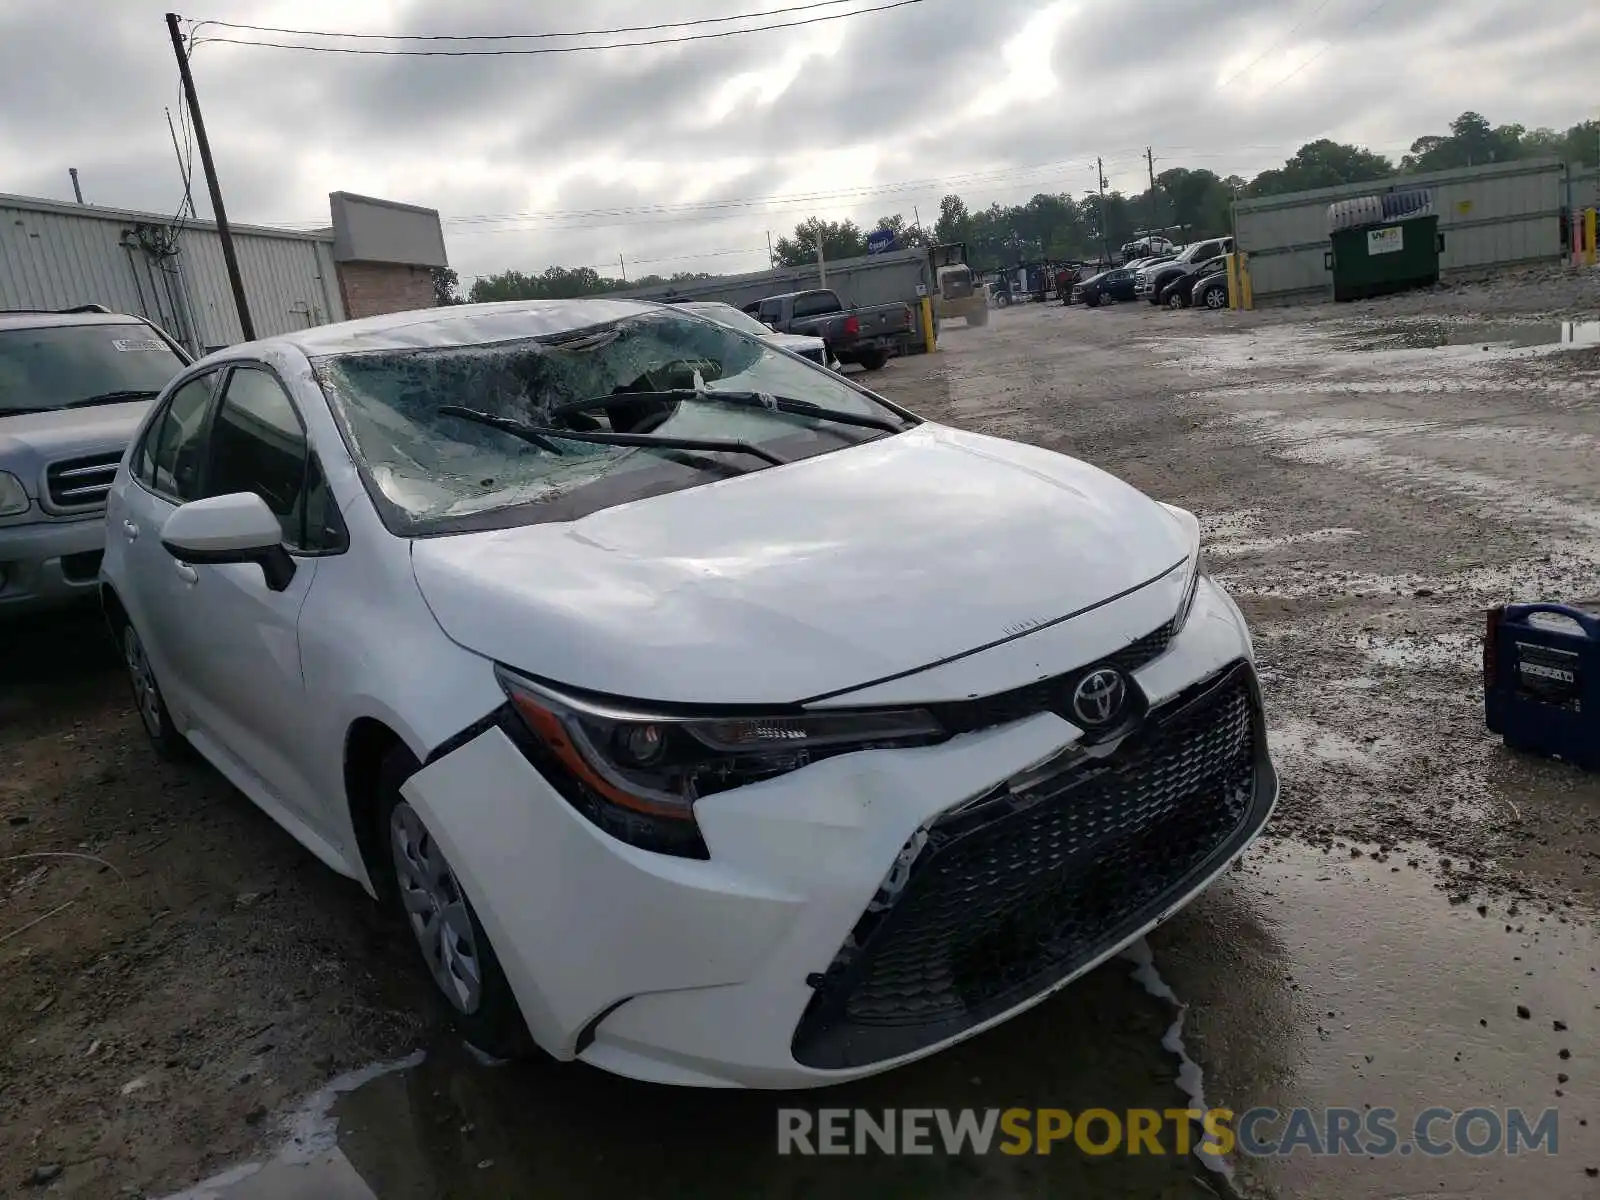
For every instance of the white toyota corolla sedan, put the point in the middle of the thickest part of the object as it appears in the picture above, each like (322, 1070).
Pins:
(708, 718)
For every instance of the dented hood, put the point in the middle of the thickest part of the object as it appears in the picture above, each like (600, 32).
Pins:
(797, 581)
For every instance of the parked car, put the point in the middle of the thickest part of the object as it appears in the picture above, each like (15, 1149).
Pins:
(1147, 247)
(1210, 290)
(1152, 281)
(866, 335)
(73, 385)
(1070, 274)
(758, 784)
(1175, 292)
(1104, 288)
(804, 345)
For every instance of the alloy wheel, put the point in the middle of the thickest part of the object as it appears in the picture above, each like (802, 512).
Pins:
(436, 909)
(1215, 298)
(146, 695)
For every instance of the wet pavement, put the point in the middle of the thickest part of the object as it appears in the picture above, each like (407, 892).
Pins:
(1309, 978)
(1426, 334)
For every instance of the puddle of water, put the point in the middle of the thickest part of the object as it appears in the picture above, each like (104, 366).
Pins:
(1236, 547)
(1436, 652)
(308, 1161)
(1322, 980)
(1191, 1079)
(1297, 739)
(1432, 335)
(451, 1127)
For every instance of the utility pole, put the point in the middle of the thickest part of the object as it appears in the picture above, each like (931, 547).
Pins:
(76, 190)
(1100, 176)
(624, 267)
(231, 259)
(822, 267)
(772, 259)
(1150, 161)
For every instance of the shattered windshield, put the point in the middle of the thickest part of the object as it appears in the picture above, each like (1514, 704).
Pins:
(434, 473)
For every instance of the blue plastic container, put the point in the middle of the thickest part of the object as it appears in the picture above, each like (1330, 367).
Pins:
(1541, 680)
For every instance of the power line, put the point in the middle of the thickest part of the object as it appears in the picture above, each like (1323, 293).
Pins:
(1290, 32)
(758, 203)
(910, 195)
(507, 37)
(1359, 21)
(672, 258)
(520, 51)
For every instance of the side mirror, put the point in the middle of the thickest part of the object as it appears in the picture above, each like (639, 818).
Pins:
(237, 528)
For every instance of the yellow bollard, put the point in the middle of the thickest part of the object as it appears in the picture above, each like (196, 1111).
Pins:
(1588, 235)
(1234, 295)
(927, 325)
(1246, 287)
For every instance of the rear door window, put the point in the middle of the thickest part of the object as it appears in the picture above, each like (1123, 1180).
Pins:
(816, 304)
(257, 445)
(171, 455)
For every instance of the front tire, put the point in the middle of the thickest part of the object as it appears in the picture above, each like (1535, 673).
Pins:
(1175, 299)
(1216, 298)
(469, 983)
(148, 701)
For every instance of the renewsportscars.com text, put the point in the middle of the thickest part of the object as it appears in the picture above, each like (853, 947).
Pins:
(1257, 1132)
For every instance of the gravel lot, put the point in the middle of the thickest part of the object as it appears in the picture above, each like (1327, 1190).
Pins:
(177, 974)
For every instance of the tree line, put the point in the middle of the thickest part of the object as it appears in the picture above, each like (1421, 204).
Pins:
(1189, 203)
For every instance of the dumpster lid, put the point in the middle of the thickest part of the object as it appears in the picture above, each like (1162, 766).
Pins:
(1379, 209)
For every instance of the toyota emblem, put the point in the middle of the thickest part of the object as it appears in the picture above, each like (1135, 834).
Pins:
(1099, 697)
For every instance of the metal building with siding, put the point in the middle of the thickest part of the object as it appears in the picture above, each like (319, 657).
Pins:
(56, 255)
(873, 279)
(1499, 215)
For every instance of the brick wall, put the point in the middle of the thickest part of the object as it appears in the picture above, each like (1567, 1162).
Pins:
(373, 288)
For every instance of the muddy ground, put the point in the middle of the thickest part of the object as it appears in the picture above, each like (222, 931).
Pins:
(177, 976)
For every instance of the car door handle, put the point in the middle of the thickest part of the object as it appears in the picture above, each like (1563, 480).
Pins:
(130, 530)
(185, 572)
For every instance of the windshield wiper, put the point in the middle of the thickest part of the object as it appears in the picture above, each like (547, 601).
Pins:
(539, 435)
(114, 397)
(783, 404)
(527, 433)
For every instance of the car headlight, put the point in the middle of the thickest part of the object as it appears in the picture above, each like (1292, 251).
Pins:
(1197, 569)
(13, 496)
(638, 772)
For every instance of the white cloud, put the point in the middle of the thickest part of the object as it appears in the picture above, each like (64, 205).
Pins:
(996, 100)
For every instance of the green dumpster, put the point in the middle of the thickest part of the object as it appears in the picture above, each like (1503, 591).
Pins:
(1383, 244)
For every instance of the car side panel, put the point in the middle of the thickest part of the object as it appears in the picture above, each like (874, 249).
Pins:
(371, 649)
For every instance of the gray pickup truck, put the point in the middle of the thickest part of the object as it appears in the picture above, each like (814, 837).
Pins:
(866, 335)
(73, 386)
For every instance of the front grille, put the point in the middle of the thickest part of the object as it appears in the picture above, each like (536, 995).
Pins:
(1047, 695)
(1012, 893)
(78, 483)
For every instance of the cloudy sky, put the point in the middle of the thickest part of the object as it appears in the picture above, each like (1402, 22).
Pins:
(685, 156)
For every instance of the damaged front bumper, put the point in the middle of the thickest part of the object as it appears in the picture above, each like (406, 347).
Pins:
(868, 909)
